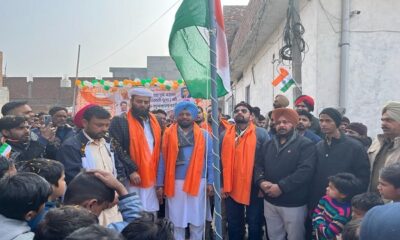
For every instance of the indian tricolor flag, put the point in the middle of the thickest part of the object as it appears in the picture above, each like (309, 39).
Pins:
(190, 49)
(284, 81)
(5, 150)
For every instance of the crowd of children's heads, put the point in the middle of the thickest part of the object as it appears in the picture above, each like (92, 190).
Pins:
(39, 181)
(26, 195)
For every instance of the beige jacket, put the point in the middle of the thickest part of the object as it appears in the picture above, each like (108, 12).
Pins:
(393, 155)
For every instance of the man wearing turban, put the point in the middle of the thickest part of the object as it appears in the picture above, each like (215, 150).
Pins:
(185, 172)
(385, 149)
(305, 102)
(136, 137)
(283, 173)
(241, 143)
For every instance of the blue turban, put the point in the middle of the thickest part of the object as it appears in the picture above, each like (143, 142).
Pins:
(186, 105)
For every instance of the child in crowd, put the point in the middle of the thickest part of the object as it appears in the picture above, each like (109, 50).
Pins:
(389, 182)
(95, 190)
(94, 232)
(146, 228)
(361, 203)
(61, 222)
(6, 167)
(53, 172)
(22, 197)
(334, 209)
(352, 230)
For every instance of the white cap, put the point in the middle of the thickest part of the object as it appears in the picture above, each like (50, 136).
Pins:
(140, 91)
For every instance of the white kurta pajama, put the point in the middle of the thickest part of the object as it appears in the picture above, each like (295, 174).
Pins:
(183, 209)
(147, 196)
(99, 156)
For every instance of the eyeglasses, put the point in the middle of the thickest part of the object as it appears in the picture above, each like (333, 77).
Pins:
(243, 110)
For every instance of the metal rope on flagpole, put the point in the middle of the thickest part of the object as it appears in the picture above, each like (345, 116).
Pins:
(215, 123)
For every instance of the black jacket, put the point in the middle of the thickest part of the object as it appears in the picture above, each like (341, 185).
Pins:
(71, 153)
(343, 155)
(315, 128)
(62, 134)
(120, 140)
(26, 151)
(291, 166)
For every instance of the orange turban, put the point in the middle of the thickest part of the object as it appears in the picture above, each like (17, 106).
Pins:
(290, 115)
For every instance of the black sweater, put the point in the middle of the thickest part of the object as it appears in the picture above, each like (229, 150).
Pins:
(343, 155)
(291, 166)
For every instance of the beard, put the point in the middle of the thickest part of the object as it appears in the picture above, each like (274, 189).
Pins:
(241, 120)
(300, 127)
(283, 133)
(96, 136)
(185, 123)
(143, 113)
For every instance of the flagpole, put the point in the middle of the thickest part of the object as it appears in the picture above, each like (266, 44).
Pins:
(215, 124)
(76, 78)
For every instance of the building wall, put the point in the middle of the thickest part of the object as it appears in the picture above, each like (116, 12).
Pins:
(157, 66)
(41, 94)
(373, 60)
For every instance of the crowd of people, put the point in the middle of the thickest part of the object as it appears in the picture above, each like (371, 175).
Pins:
(146, 175)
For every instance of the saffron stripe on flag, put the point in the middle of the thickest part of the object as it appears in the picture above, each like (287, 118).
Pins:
(282, 75)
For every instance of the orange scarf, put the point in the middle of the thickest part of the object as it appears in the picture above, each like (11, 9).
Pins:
(139, 150)
(238, 162)
(170, 151)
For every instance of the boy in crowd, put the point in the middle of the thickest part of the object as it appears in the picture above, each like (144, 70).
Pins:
(60, 222)
(6, 167)
(22, 197)
(94, 232)
(334, 209)
(53, 172)
(389, 182)
(361, 203)
(95, 190)
(146, 228)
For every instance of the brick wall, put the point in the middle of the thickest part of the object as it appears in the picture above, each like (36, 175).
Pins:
(41, 94)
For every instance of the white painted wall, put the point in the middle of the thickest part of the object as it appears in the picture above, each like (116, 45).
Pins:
(373, 60)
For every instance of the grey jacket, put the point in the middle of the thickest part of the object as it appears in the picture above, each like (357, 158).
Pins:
(12, 229)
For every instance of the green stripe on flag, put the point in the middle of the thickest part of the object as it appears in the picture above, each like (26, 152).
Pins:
(189, 48)
(5, 149)
(287, 85)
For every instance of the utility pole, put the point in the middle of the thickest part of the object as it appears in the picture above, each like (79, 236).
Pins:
(295, 39)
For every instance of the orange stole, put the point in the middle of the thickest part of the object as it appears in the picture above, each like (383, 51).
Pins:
(139, 150)
(170, 150)
(238, 162)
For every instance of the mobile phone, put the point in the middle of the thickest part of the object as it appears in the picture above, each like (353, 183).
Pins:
(47, 119)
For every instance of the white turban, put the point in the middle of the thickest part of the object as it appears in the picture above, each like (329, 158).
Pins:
(393, 110)
(140, 91)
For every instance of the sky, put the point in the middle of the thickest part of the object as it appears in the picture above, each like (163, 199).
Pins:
(40, 37)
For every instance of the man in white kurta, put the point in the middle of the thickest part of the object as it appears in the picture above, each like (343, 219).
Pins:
(186, 186)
